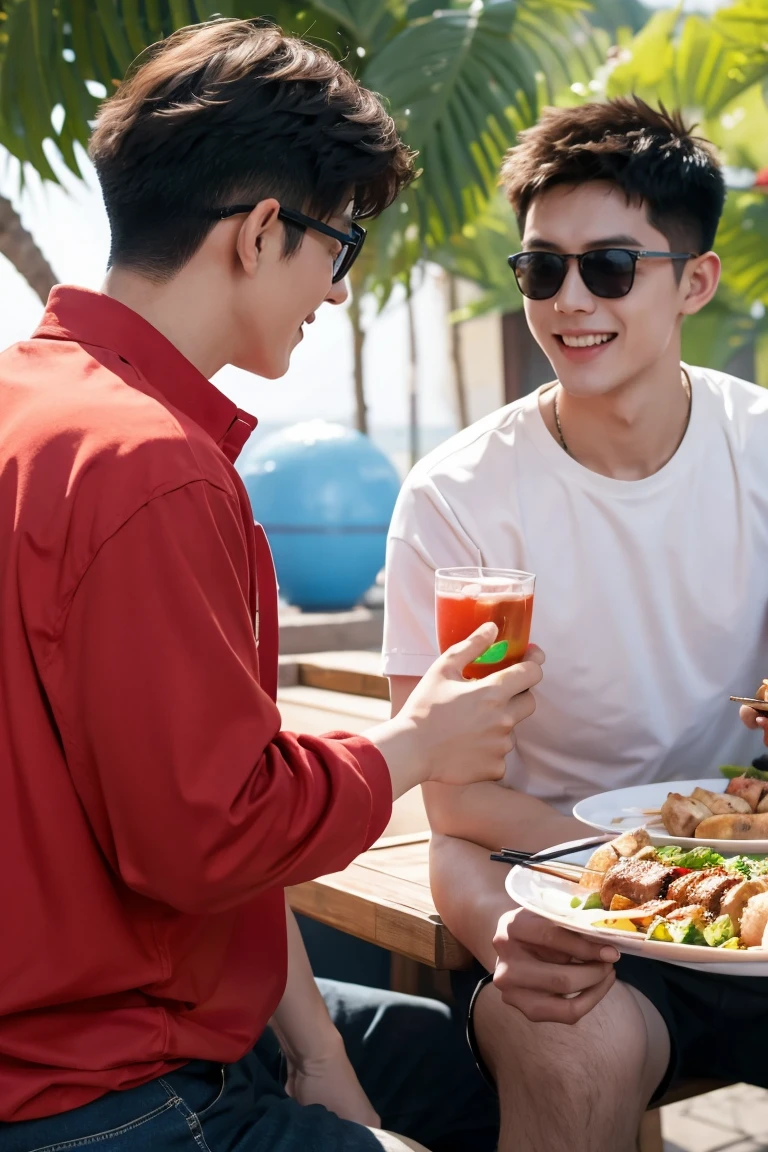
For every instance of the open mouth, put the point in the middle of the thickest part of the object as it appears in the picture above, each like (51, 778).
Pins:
(588, 340)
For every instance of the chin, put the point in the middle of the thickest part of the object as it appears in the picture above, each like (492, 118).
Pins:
(577, 384)
(268, 367)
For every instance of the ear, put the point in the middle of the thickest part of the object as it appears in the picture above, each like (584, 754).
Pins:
(260, 229)
(699, 282)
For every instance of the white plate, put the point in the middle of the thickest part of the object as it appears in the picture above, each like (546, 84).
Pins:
(608, 812)
(550, 897)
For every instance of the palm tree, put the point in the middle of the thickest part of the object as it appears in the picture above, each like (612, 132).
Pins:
(461, 80)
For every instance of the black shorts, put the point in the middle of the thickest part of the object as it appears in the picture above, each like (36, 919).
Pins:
(717, 1024)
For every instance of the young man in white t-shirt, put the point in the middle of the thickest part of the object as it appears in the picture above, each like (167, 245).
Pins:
(636, 488)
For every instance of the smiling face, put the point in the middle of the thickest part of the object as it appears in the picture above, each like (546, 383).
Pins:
(596, 345)
(276, 294)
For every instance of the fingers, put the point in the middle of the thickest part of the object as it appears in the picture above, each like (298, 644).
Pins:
(535, 653)
(554, 979)
(523, 927)
(754, 720)
(519, 678)
(459, 655)
(748, 716)
(540, 1007)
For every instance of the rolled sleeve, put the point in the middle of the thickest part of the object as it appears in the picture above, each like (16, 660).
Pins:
(196, 796)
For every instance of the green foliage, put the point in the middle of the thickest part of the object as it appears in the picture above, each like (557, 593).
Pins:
(461, 80)
(716, 70)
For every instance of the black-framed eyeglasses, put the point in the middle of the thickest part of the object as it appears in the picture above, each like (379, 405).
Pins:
(351, 242)
(606, 272)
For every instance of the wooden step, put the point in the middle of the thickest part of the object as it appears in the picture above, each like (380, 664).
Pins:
(355, 672)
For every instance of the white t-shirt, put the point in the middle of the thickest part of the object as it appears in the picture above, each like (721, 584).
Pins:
(651, 595)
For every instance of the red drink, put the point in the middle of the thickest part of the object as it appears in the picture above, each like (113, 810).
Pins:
(459, 616)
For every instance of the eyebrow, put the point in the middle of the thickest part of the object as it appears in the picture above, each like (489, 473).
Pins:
(622, 241)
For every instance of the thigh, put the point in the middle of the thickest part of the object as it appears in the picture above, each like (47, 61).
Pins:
(149, 1118)
(413, 1060)
(253, 1113)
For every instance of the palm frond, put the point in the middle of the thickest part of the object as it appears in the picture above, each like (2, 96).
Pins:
(463, 82)
(685, 63)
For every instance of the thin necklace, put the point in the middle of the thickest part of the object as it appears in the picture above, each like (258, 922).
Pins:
(685, 382)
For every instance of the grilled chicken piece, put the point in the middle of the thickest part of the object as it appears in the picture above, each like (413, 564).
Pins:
(734, 826)
(735, 901)
(753, 791)
(638, 880)
(681, 814)
(693, 912)
(629, 843)
(754, 920)
(718, 803)
(707, 888)
(651, 909)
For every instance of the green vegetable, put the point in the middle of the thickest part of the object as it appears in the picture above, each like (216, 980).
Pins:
(576, 902)
(719, 931)
(687, 931)
(731, 770)
(748, 866)
(676, 931)
(592, 901)
(732, 943)
(659, 930)
(694, 858)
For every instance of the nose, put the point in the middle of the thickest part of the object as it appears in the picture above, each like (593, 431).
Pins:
(574, 296)
(338, 293)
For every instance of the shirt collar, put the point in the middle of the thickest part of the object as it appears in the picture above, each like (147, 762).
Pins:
(91, 318)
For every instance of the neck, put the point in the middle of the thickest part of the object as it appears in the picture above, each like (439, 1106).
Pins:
(628, 433)
(181, 309)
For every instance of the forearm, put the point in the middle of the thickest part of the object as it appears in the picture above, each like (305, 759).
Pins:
(468, 890)
(497, 817)
(397, 740)
(301, 1022)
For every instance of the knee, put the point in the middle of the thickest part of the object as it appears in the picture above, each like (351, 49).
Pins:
(608, 1042)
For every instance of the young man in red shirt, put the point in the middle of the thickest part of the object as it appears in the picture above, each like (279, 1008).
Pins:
(151, 809)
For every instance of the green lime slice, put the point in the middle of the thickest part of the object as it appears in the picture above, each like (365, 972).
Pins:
(493, 655)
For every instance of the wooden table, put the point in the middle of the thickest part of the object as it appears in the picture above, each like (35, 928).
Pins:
(384, 897)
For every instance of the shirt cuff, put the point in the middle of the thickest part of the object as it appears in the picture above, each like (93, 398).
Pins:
(376, 772)
(406, 663)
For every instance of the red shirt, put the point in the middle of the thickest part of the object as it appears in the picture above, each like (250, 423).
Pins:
(151, 809)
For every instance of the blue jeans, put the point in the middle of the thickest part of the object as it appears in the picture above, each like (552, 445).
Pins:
(410, 1054)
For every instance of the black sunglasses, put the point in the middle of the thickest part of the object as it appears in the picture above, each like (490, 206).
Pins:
(606, 272)
(351, 242)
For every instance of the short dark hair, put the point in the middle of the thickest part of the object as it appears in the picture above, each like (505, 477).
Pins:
(234, 111)
(649, 153)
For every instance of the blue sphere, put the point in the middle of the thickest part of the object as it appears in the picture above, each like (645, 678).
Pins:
(325, 496)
